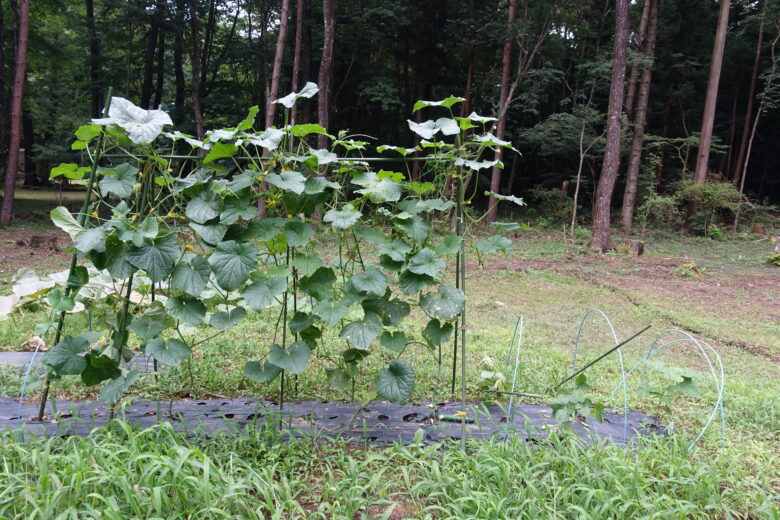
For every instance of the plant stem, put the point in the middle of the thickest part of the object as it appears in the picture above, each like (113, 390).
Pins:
(82, 220)
(462, 262)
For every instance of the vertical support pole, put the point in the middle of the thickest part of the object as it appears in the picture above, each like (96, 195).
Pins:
(82, 220)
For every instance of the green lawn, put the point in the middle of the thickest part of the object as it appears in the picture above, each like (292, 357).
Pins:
(732, 303)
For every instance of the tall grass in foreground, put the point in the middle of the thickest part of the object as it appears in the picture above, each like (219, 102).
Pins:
(121, 473)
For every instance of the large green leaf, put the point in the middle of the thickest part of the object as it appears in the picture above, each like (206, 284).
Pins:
(113, 391)
(93, 239)
(294, 359)
(212, 233)
(308, 128)
(372, 281)
(508, 198)
(203, 208)
(168, 352)
(319, 284)
(232, 261)
(265, 229)
(219, 151)
(224, 320)
(249, 120)
(396, 382)
(68, 170)
(426, 261)
(64, 357)
(59, 301)
(261, 372)
(191, 275)
(381, 190)
(120, 182)
(188, 310)
(142, 126)
(237, 208)
(262, 294)
(148, 327)
(446, 103)
(395, 341)
(99, 368)
(411, 283)
(396, 250)
(287, 181)
(415, 227)
(307, 264)
(62, 218)
(116, 258)
(494, 244)
(449, 246)
(298, 233)
(369, 234)
(331, 312)
(445, 303)
(156, 258)
(391, 311)
(344, 218)
(360, 334)
(436, 333)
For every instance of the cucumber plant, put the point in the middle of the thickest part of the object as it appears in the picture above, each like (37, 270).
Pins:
(185, 247)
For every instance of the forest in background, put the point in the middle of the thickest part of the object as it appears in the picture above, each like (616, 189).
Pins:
(550, 66)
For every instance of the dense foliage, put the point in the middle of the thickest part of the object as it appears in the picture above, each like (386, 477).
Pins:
(185, 249)
(391, 53)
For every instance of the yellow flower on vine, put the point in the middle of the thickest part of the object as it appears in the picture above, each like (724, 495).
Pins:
(94, 214)
(271, 202)
(132, 219)
(289, 215)
(261, 178)
(170, 170)
(189, 247)
(468, 202)
(460, 414)
(171, 214)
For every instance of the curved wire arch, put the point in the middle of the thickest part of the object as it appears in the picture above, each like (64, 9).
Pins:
(620, 360)
(719, 382)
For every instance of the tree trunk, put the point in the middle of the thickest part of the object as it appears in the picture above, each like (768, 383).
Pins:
(325, 78)
(3, 108)
(767, 88)
(151, 46)
(30, 175)
(296, 71)
(178, 63)
(634, 74)
(276, 73)
(195, 57)
(16, 113)
(158, 90)
(506, 64)
(94, 60)
(749, 109)
(303, 113)
(601, 239)
(635, 158)
(710, 101)
(465, 107)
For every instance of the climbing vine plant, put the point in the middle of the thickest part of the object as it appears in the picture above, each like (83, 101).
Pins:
(238, 226)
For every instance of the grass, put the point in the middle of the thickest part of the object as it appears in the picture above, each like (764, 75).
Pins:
(553, 284)
(118, 472)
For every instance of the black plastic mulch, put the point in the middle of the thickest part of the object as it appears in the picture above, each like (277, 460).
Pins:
(376, 423)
